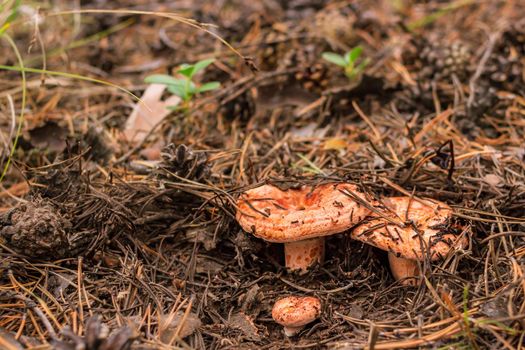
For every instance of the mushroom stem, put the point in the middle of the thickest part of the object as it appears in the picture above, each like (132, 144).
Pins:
(301, 255)
(291, 331)
(405, 269)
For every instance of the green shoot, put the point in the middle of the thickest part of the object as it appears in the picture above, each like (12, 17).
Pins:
(8, 13)
(311, 167)
(349, 62)
(184, 87)
(24, 100)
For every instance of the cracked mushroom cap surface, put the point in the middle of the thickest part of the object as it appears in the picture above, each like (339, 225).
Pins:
(296, 311)
(281, 216)
(428, 229)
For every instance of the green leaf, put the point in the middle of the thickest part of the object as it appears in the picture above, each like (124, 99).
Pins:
(178, 89)
(188, 70)
(186, 89)
(11, 17)
(192, 88)
(353, 55)
(212, 85)
(361, 67)
(162, 79)
(14, 12)
(334, 58)
(202, 64)
(357, 71)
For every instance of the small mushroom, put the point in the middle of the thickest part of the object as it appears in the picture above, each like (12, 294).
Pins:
(301, 218)
(293, 313)
(426, 231)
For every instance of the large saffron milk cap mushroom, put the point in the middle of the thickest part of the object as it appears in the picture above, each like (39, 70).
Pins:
(300, 218)
(293, 313)
(427, 231)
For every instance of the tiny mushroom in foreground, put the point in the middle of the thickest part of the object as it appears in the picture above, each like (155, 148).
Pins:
(427, 231)
(300, 218)
(293, 313)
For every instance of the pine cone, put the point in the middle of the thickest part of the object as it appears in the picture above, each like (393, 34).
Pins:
(37, 229)
(183, 162)
(97, 338)
(440, 61)
(314, 78)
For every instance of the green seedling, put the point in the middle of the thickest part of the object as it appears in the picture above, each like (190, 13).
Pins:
(349, 62)
(184, 87)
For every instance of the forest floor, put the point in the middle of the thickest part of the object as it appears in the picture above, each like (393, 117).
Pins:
(119, 216)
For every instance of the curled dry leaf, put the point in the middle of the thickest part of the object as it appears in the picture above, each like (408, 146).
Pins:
(148, 113)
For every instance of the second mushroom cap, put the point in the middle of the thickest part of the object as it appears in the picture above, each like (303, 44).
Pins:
(427, 228)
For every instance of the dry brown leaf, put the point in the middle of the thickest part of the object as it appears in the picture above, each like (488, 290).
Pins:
(148, 113)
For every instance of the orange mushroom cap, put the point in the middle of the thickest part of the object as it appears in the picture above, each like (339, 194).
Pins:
(297, 214)
(427, 229)
(295, 312)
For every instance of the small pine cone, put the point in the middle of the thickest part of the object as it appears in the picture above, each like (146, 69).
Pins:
(183, 162)
(441, 61)
(38, 230)
(314, 78)
(97, 337)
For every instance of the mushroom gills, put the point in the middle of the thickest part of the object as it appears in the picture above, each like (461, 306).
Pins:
(301, 255)
(404, 269)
